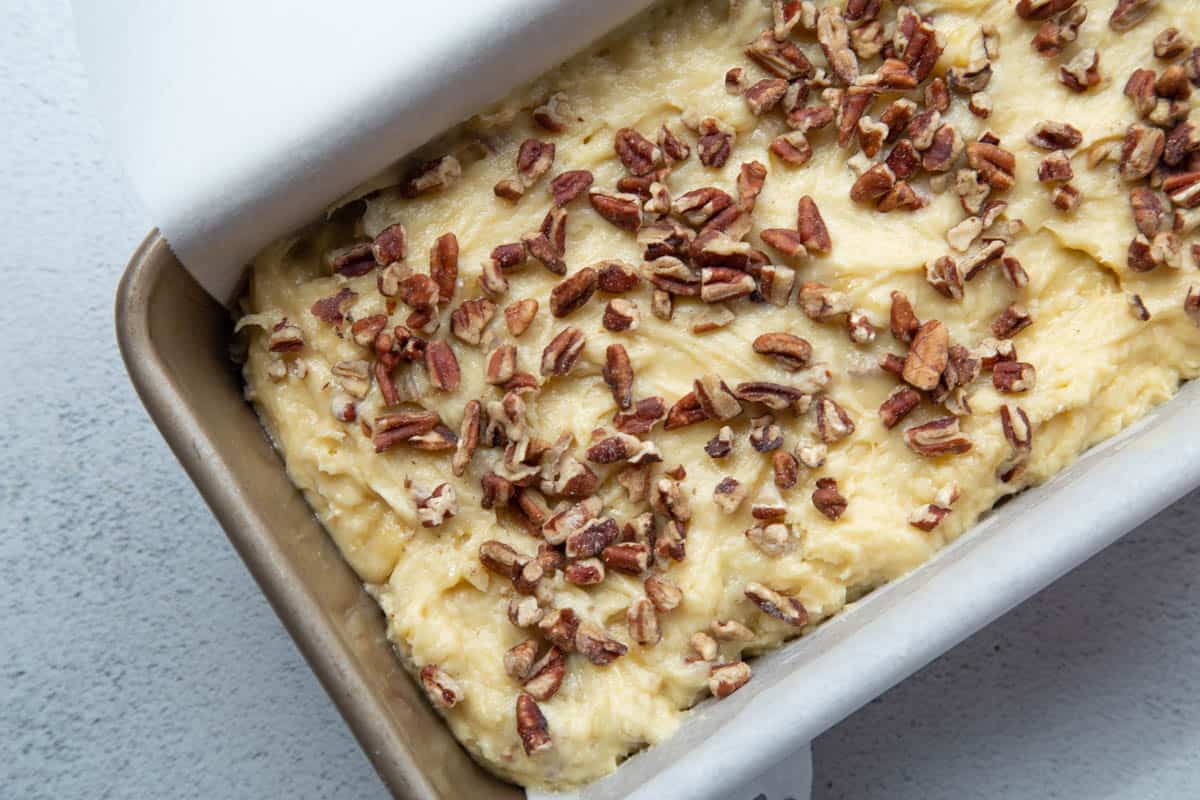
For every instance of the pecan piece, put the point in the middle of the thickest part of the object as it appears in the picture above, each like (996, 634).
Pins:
(287, 338)
(834, 37)
(781, 59)
(672, 147)
(632, 558)
(1130, 13)
(1141, 151)
(621, 315)
(664, 594)
(928, 356)
(642, 621)
(401, 426)
(639, 155)
(621, 209)
(833, 423)
(714, 146)
(618, 374)
(898, 404)
(517, 316)
(443, 691)
(718, 284)
(765, 95)
(1011, 321)
(721, 444)
(641, 420)
(554, 115)
(828, 500)
(442, 366)
(571, 294)
(937, 438)
(791, 351)
(775, 604)
(686, 411)
(332, 309)
(792, 148)
(904, 322)
(1049, 135)
(786, 469)
(1055, 167)
(715, 398)
(729, 494)
(531, 726)
(1041, 9)
(725, 679)
(1014, 376)
(594, 644)
(995, 165)
(560, 355)
(775, 396)
(811, 226)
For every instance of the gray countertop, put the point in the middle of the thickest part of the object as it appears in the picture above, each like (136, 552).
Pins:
(139, 657)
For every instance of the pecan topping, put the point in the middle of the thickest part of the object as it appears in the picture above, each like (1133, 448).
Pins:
(587, 572)
(730, 630)
(791, 351)
(500, 558)
(772, 603)
(621, 209)
(765, 95)
(1013, 376)
(434, 508)
(672, 146)
(916, 43)
(784, 240)
(809, 118)
(662, 593)
(834, 37)
(596, 645)
(352, 261)
(996, 166)
(1041, 9)
(715, 398)
(929, 516)
(781, 59)
(572, 293)
(517, 317)
(1171, 43)
(704, 646)
(519, 660)
(859, 326)
(569, 185)
(721, 444)
(725, 679)
(560, 355)
(1050, 135)
(873, 184)
(828, 500)
(331, 309)
(632, 558)
(792, 148)
(751, 178)
(981, 105)
(775, 396)
(715, 144)
(1082, 72)
(639, 155)
(786, 469)
(718, 284)
(833, 423)
(642, 621)
(442, 366)
(811, 226)
(621, 315)
(531, 726)
(287, 338)
(1141, 151)
(431, 176)
(618, 374)
(1055, 167)
(641, 420)
(765, 435)
(389, 246)
(1130, 13)
(1191, 304)
(1183, 189)
(928, 356)
(775, 283)
(468, 437)
(554, 115)
(904, 322)
(937, 438)
(945, 276)
(592, 538)
(402, 426)
(1066, 198)
(559, 628)
(729, 494)
(1011, 321)
(443, 691)
(898, 404)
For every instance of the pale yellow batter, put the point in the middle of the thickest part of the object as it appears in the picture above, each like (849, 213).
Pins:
(1098, 367)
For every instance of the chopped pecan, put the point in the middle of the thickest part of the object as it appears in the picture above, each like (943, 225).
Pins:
(811, 226)
(639, 155)
(784, 240)
(500, 558)
(642, 621)
(715, 144)
(943, 151)
(765, 435)
(1055, 167)
(789, 350)
(834, 37)
(750, 181)
(672, 147)
(497, 491)
(442, 366)
(1050, 135)
(782, 59)
(765, 95)
(725, 679)
(401, 426)
(1082, 72)
(1041, 9)
(775, 396)
(703, 645)
(718, 284)
(775, 283)
(519, 660)
(531, 726)
(632, 558)
(672, 275)
(571, 294)
(821, 303)
(898, 404)
(721, 444)
(554, 115)
(560, 355)
(1183, 189)
(389, 246)
(517, 316)
(621, 209)
(729, 494)
(1171, 43)
(431, 176)
(904, 322)
(1141, 151)
(585, 572)
(594, 644)
(621, 315)
(775, 604)
(867, 41)
(287, 338)
(1130, 13)
(792, 148)
(646, 413)
(686, 411)
(1191, 304)
(928, 356)
(1066, 198)
(1137, 307)
(1011, 321)
(715, 398)
(1014, 272)
(618, 374)
(443, 691)
(500, 364)
(859, 326)
(1182, 142)
(786, 469)
(809, 118)
(1014, 376)
(916, 43)
(996, 165)
(940, 437)
(833, 423)
(331, 309)
(664, 594)
(828, 500)
(873, 184)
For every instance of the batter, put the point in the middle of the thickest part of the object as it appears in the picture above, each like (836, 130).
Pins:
(721, 325)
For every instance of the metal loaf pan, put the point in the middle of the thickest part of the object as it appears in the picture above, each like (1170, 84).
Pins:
(173, 338)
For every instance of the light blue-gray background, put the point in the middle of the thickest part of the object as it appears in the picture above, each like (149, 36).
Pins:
(138, 660)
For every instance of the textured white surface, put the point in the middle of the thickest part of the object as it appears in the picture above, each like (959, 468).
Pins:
(137, 658)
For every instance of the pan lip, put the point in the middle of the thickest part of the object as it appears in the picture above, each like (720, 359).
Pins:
(291, 599)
